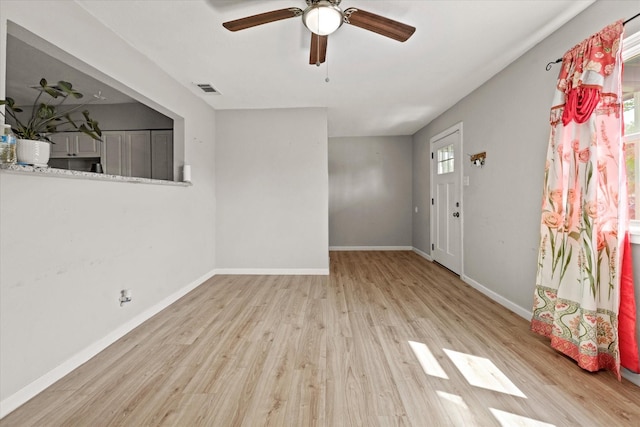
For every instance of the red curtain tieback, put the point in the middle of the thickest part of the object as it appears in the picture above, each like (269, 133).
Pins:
(580, 104)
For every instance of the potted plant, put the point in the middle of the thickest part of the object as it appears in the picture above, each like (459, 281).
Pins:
(48, 116)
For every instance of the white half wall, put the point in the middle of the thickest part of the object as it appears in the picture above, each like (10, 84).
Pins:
(68, 246)
(272, 190)
(370, 191)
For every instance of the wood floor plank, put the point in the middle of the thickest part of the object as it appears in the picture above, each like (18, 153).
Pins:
(387, 339)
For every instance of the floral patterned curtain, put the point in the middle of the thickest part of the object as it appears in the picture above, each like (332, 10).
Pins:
(584, 227)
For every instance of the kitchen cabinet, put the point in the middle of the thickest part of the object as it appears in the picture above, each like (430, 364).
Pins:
(137, 154)
(74, 144)
(113, 153)
(162, 154)
(143, 154)
(127, 153)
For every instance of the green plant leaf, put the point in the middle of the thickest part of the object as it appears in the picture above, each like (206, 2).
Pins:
(45, 111)
(11, 104)
(48, 117)
(67, 88)
(52, 92)
(64, 86)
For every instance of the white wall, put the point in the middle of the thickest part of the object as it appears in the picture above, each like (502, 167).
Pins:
(370, 192)
(508, 118)
(421, 189)
(69, 246)
(272, 191)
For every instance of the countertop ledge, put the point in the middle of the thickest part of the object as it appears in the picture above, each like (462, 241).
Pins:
(64, 173)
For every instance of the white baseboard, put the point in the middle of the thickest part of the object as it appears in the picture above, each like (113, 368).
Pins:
(631, 376)
(423, 254)
(274, 271)
(498, 298)
(370, 248)
(26, 393)
(627, 374)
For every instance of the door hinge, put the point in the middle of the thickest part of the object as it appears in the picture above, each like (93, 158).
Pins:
(431, 155)
(432, 202)
(433, 247)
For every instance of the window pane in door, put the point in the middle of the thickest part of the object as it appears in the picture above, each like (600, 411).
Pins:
(445, 159)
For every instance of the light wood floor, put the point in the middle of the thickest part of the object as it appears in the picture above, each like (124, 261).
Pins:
(333, 351)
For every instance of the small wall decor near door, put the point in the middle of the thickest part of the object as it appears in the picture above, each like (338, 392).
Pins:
(478, 159)
(446, 198)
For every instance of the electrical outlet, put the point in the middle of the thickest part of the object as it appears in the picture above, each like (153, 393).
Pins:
(125, 296)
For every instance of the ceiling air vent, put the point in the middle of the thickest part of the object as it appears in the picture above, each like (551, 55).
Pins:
(207, 88)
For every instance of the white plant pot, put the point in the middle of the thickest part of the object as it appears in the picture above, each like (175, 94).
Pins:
(34, 153)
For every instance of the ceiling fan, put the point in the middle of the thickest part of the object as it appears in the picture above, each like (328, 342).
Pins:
(323, 17)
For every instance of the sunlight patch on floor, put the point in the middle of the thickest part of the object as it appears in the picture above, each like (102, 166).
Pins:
(456, 409)
(507, 419)
(481, 372)
(453, 398)
(427, 360)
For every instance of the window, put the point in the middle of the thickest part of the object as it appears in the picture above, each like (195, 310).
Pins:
(631, 112)
(445, 159)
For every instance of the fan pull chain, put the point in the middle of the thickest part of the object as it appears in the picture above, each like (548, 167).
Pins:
(326, 59)
(327, 64)
(318, 50)
(318, 44)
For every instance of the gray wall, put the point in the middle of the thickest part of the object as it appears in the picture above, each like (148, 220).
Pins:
(421, 191)
(508, 118)
(128, 117)
(370, 191)
(272, 190)
(69, 246)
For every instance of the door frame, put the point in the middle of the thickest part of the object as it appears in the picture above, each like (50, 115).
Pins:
(432, 227)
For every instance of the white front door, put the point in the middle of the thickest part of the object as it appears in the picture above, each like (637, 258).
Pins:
(446, 203)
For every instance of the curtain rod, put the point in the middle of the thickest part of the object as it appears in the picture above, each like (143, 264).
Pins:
(557, 61)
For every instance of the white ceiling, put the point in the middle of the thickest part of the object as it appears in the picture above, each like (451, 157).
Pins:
(377, 86)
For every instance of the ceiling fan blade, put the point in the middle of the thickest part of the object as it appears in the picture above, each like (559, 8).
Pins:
(379, 24)
(318, 49)
(262, 18)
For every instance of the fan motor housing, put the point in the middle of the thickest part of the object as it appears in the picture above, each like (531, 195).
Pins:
(322, 17)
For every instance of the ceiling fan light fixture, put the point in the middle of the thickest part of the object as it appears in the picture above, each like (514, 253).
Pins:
(323, 18)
